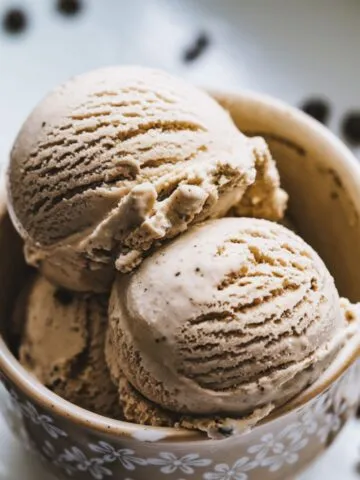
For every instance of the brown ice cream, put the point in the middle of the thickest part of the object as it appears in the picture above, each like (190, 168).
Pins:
(236, 314)
(63, 345)
(119, 159)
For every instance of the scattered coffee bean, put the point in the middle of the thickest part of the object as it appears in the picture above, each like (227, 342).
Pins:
(14, 20)
(197, 48)
(63, 296)
(69, 7)
(351, 127)
(317, 108)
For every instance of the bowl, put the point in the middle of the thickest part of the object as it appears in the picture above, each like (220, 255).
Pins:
(323, 180)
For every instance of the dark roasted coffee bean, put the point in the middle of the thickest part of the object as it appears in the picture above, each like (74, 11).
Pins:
(351, 127)
(197, 48)
(69, 7)
(317, 108)
(14, 20)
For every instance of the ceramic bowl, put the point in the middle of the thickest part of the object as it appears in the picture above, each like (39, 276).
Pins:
(323, 180)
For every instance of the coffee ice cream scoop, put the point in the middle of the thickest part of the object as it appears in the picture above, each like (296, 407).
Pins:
(138, 409)
(116, 161)
(63, 345)
(234, 315)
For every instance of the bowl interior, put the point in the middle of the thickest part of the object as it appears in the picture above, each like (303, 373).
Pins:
(14, 273)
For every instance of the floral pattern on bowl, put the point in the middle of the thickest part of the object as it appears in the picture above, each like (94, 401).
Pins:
(275, 448)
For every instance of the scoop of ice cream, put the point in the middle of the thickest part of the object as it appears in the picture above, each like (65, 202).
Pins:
(264, 198)
(63, 346)
(235, 314)
(138, 409)
(115, 161)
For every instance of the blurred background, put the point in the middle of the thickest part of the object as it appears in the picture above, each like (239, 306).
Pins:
(304, 52)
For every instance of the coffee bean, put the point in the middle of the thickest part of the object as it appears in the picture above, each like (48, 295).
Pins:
(69, 7)
(14, 20)
(351, 127)
(317, 108)
(197, 48)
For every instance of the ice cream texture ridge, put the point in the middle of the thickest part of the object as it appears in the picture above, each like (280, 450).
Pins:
(166, 292)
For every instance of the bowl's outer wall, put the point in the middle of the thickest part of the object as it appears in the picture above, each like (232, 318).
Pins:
(274, 450)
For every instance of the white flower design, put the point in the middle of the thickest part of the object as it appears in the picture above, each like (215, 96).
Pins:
(48, 450)
(46, 422)
(305, 427)
(28, 410)
(125, 456)
(332, 424)
(49, 453)
(222, 471)
(290, 455)
(308, 423)
(320, 420)
(269, 444)
(170, 463)
(333, 409)
(94, 466)
(322, 405)
(275, 451)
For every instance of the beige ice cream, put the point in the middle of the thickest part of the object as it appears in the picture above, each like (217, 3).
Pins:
(63, 345)
(117, 160)
(236, 314)
(138, 409)
(264, 198)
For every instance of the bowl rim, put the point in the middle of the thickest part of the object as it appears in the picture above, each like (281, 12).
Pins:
(41, 395)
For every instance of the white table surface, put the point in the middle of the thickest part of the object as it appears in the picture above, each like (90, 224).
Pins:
(289, 48)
